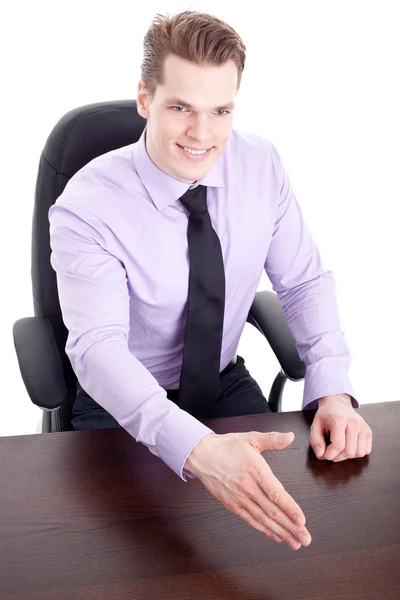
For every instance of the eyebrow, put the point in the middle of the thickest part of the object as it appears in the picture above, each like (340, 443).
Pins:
(180, 102)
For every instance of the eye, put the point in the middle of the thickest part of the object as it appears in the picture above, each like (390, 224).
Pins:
(223, 110)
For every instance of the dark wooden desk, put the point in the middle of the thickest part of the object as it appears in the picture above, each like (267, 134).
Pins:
(95, 516)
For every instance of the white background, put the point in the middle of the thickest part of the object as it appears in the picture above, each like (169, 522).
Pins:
(321, 82)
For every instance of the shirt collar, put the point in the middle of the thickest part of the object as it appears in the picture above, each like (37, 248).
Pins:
(164, 189)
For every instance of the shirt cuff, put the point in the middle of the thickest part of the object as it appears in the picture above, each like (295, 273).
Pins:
(177, 438)
(321, 380)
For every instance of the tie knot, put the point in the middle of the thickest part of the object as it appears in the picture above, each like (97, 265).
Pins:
(195, 200)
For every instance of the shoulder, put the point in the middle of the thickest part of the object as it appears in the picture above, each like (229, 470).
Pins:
(101, 183)
(107, 170)
(247, 140)
(250, 152)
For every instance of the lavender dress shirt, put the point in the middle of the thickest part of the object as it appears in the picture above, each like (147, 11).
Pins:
(119, 249)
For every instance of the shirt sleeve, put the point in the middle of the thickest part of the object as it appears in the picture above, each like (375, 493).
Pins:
(308, 298)
(94, 300)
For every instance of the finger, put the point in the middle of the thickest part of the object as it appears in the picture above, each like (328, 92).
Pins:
(276, 493)
(350, 450)
(352, 438)
(338, 441)
(272, 440)
(361, 444)
(369, 441)
(256, 517)
(281, 518)
(340, 457)
(317, 440)
(250, 520)
(361, 448)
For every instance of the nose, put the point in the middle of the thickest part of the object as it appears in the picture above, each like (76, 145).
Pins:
(199, 128)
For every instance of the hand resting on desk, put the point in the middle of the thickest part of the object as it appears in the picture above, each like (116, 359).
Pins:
(233, 471)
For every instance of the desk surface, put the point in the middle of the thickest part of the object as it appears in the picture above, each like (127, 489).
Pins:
(95, 516)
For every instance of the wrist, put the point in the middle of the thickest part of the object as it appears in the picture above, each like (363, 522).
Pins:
(191, 461)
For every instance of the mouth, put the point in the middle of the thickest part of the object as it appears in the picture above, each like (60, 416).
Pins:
(195, 157)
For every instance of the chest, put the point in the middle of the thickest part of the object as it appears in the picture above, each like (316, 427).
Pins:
(153, 247)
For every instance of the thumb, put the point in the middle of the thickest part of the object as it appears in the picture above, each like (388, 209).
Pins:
(317, 440)
(271, 440)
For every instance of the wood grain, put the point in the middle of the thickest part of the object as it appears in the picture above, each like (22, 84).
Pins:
(95, 516)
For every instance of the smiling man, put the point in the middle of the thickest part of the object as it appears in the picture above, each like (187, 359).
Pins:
(159, 248)
(186, 132)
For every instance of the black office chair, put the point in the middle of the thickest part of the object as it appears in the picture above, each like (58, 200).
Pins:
(79, 136)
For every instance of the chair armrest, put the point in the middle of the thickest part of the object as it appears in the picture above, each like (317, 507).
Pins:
(267, 316)
(39, 362)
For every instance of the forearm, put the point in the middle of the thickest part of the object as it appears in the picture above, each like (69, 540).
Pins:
(312, 315)
(307, 295)
(121, 384)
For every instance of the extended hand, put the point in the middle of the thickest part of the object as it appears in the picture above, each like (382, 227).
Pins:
(233, 470)
(350, 435)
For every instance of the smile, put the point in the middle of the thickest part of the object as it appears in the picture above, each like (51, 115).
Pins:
(195, 154)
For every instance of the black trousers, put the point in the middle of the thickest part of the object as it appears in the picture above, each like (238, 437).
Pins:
(239, 394)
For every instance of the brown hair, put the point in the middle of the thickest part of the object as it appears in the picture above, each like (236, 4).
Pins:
(197, 37)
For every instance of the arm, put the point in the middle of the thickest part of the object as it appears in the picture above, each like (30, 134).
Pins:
(307, 295)
(94, 299)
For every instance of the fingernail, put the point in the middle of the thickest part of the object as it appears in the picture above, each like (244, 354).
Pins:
(303, 539)
(318, 450)
(293, 543)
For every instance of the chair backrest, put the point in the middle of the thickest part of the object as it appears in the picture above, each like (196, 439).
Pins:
(79, 136)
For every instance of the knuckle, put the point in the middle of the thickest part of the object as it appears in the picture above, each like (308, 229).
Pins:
(274, 495)
(243, 505)
(270, 438)
(281, 533)
(292, 516)
(353, 427)
(263, 520)
(273, 513)
(340, 422)
(244, 485)
(249, 520)
(245, 489)
(232, 506)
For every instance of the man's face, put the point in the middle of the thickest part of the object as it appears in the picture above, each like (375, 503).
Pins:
(172, 125)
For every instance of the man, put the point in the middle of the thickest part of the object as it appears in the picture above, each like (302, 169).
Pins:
(159, 248)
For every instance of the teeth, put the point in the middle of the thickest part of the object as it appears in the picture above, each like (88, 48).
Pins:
(195, 151)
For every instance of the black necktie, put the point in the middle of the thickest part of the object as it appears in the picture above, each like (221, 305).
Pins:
(199, 382)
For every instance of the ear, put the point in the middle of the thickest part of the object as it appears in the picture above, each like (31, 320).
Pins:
(143, 100)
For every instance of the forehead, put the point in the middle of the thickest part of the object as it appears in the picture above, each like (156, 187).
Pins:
(196, 86)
